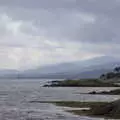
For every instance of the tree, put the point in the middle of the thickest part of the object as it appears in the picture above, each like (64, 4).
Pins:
(110, 75)
(117, 69)
(102, 76)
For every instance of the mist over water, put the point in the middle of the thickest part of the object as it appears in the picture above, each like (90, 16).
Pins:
(15, 97)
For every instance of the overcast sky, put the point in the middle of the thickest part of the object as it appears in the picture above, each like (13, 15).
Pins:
(39, 32)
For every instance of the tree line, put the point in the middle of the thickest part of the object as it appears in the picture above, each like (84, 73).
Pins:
(112, 74)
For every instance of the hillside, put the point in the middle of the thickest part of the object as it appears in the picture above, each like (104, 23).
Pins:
(91, 68)
(113, 76)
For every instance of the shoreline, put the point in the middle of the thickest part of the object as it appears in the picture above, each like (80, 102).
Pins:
(90, 109)
(80, 83)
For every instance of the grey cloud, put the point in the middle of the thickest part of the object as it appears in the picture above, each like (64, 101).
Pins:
(60, 29)
(108, 7)
(60, 20)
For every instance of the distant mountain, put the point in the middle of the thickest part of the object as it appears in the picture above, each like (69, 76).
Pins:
(8, 73)
(79, 69)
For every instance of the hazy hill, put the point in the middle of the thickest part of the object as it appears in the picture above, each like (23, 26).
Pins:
(79, 69)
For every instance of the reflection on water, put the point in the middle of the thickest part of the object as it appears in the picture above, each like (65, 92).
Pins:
(15, 96)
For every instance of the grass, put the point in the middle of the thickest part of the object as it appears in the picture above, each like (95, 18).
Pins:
(82, 83)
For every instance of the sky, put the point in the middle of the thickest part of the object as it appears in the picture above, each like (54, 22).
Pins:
(40, 32)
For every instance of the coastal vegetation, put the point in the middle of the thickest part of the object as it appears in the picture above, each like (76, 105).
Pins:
(81, 83)
(112, 92)
(114, 74)
(97, 109)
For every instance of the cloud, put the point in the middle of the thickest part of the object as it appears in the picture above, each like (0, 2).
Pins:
(45, 32)
(86, 21)
(22, 47)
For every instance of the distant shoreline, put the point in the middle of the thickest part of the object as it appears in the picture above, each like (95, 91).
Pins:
(112, 92)
(80, 83)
